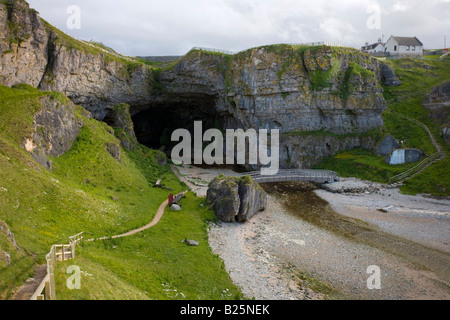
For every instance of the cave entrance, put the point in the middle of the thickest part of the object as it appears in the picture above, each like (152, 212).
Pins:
(154, 123)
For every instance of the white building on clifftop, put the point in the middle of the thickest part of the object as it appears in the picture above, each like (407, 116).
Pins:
(404, 46)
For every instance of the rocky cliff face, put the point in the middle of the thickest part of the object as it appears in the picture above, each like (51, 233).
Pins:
(23, 45)
(55, 129)
(335, 92)
(437, 103)
(94, 80)
(291, 88)
(36, 53)
(288, 88)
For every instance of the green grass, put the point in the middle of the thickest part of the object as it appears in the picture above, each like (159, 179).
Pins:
(434, 180)
(156, 263)
(417, 76)
(91, 191)
(362, 164)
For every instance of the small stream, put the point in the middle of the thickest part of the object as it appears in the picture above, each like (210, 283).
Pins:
(299, 200)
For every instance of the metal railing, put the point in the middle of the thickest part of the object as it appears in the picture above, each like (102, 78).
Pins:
(425, 163)
(290, 175)
(213, 50)
(58, 252)
(320, 43)
(441, 58)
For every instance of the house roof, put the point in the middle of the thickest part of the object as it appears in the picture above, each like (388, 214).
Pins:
(408, 41)
(371, 46)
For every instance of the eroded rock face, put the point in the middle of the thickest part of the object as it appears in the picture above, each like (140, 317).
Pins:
(388, 76)
(236, 199)
(386, 146)
(35, 53)
(438, 104)
(23, 45)
(94, 81)
(293, 89)
(119, 117)
(286, 89)
(56, 128)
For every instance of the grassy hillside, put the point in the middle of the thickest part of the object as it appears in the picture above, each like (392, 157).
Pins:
(418, 77)
(89, 190)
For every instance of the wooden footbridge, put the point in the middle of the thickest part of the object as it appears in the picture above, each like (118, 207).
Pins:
(290, 175)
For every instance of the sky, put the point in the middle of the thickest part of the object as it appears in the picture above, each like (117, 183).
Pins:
(173, 27)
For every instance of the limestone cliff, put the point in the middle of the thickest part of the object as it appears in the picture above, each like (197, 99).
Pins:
(321, 99)
(56, 128)
(23, 44)
(36, 53)
(296, 89)
(293, 89)
(437, 103)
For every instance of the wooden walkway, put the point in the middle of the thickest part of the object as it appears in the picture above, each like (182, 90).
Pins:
(289, 175)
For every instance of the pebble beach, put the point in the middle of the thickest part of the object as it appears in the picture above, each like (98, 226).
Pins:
(277, 256)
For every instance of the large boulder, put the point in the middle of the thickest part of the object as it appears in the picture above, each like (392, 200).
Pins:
(253, 199)
(236, 199)
(388, 76)
(386, 146)
(223, 194)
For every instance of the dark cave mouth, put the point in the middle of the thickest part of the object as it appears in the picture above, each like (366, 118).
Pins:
(155, 123)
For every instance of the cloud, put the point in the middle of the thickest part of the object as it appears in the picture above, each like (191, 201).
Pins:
(161, 27)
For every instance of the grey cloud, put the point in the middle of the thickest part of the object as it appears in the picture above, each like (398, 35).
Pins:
(159, 27)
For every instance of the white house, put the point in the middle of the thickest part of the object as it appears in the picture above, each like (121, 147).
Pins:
(404, 46)
(373, 48)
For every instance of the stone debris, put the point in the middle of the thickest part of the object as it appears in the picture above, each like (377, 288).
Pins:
(192, 243)
(355, 186)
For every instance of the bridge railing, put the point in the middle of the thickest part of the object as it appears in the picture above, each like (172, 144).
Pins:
(289, 175)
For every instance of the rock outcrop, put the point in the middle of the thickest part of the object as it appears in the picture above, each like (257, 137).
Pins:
(36, 53)
(120, 119)
(23, 44)
(437, 103)
(388, 76)
(5, 257)
(56, 127)
(386, 146)
(236, 199)
(296, 89)
(285, 87)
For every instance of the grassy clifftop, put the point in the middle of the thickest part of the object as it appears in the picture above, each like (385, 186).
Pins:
(418, 77)
(89, 190)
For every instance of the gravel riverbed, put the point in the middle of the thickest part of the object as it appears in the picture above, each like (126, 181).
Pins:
(268, 256)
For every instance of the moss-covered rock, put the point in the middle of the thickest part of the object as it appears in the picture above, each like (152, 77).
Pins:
(120, 119)
(236, 198)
